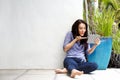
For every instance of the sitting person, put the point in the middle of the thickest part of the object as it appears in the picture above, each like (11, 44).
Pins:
(76, 48)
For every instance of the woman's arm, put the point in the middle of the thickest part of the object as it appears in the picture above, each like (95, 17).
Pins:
(69, 45)
(97, 42)
(92, 49)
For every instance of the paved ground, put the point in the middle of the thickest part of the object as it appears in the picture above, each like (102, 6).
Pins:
(108, 74)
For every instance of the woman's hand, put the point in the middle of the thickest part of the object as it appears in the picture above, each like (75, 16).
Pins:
(97, 41)
(78, 38)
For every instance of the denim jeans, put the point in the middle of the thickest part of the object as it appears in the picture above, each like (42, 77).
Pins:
(76, 63)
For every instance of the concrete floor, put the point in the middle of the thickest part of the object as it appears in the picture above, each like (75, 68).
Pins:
(27, 74)
(108, 74)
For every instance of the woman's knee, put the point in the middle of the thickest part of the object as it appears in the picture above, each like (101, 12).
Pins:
(70, 62)
(95, 66)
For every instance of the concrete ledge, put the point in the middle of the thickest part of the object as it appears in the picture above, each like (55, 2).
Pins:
(108, 74)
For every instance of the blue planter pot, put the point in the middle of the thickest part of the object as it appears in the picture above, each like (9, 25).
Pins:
(102, 53)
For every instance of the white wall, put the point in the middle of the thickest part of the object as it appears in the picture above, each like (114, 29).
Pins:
(32, 32)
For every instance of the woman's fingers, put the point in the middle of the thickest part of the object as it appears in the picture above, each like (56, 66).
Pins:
(78, 38)
(97, 41)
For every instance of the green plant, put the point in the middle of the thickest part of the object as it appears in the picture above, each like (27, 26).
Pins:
(113, 5)
(103, 21)
(115, 56)
(116, 42)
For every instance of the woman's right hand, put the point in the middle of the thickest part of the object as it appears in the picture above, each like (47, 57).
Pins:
(78, 38)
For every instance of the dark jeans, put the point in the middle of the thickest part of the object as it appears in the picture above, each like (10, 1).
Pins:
(76, 63)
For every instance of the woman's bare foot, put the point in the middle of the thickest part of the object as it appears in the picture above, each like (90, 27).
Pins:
(64, 70)
(76, 72)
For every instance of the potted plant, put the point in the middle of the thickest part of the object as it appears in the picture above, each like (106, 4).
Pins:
(114, 5)
(103, 21)
(103, 26)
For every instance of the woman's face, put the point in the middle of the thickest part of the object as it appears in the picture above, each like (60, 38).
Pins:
(81, 29)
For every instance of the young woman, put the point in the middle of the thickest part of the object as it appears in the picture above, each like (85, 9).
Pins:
(76, 47)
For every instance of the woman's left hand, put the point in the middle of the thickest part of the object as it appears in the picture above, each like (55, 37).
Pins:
(97, 41)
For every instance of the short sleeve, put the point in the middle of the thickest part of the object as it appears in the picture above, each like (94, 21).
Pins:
(68, 38)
